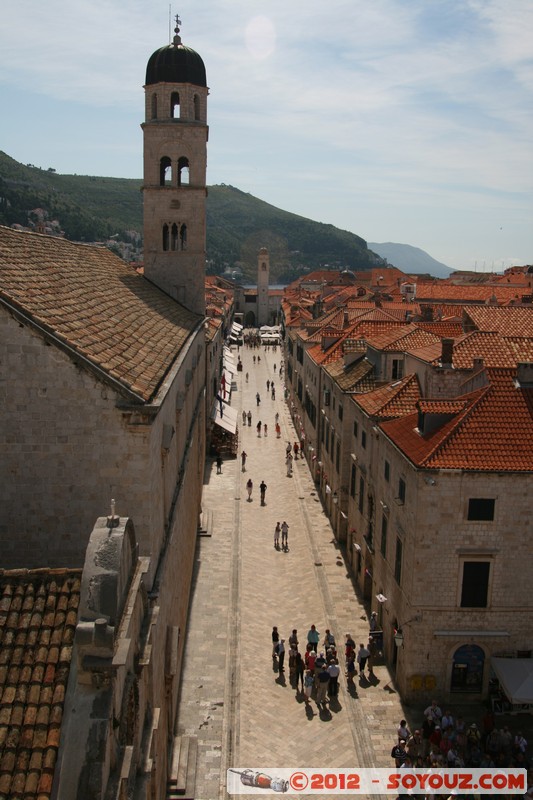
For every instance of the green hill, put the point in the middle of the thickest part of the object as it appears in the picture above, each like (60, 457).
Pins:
(89, 208)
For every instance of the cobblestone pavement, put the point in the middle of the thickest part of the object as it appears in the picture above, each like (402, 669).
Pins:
(242, 711)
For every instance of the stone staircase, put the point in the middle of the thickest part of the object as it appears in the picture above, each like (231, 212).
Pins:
(182, 780)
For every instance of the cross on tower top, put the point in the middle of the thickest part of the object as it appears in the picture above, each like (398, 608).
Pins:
(177, 37)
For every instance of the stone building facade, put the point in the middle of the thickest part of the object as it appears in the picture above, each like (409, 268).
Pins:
(420, 448)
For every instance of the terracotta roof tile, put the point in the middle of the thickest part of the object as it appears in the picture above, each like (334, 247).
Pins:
(402, 339)
(509, 321)
(95, 304)
(501, 413)
(36, 606)
(393, 400)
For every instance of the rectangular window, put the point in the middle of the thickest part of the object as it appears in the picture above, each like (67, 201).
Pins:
(361, 503)
(355, 430)
(384, 531)
(352, 482)
(363, 440)
(397, 368)
(481, 508)
(386, 471)
(398, 561)
(340, 411)
(401, 490)
(475, 587)
(338, 455)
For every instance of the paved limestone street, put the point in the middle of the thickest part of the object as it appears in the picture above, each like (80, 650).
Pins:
(239, 710)
(243, 713)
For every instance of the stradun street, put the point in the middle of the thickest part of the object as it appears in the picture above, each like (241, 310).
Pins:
(244, 713)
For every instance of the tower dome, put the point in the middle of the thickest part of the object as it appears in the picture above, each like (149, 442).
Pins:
(175, 63)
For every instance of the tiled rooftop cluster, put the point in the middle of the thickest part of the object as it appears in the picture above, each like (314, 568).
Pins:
(38, 615)
(89, 300)
(488, 429)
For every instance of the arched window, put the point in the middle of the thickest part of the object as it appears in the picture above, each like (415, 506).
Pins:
(154, 106)
(467, 669)
(165, 171)
(183, 237)
(175, 111)
(165, 237)
(174, 237)
(196, 106)
(183, 171)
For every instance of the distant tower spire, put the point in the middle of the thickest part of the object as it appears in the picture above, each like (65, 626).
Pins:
(177, 37)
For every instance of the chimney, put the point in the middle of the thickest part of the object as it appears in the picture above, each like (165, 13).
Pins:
(446, 359)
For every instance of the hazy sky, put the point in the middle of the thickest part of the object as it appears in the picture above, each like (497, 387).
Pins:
(400, 120)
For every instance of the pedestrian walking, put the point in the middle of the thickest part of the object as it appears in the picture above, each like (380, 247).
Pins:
(273, 394)
(350, 669)
(249, 489)
(281, 655)
(322, 685)
(258, 428)
(274, 367)
(308, 686)
(278, 431)
(299, 670)
(219, 463)
(262, 490)
(277, 416)
(362, 656)
(246, 377)
(288, 462)
(372, 653)
(244, 417)
(295, 448)
(265, 429)
(349, 647)
(249, 419)
(243, 460)
(334, 672)
(284, 535)
(275, 641)
(268, 385)
(258, 399)
(277, 533)
(313, 637)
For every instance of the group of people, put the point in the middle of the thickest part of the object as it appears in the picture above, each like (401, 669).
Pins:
(446, 740)
(250, 484)
(315, 672)
(318, 668)
(281, 531)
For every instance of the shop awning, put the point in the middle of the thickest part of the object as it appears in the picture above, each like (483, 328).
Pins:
(236, 327)
(516, 678)
(228, 418)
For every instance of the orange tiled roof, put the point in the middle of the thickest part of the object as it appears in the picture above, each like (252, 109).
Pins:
(491, 434)
(465, 293)
(402, 339)
(491, 347)
(393, 400)
(509, 321)
(38, 615)
(442, 328)
(90, 300)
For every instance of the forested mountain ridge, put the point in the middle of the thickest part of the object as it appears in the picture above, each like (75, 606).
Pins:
(90, 208)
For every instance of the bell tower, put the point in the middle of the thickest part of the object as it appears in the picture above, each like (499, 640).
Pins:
(175, 136)
(263, 278)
